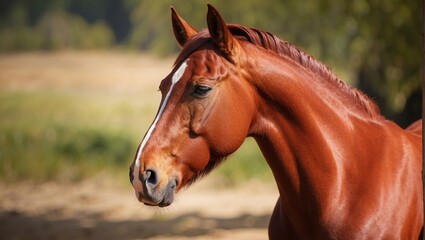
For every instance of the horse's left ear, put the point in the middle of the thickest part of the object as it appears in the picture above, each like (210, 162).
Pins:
(183, 31)
(220, 33)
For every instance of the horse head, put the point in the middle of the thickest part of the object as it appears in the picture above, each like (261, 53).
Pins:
(204, 115)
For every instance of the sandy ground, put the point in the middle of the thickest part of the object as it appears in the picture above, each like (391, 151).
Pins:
(98, 208)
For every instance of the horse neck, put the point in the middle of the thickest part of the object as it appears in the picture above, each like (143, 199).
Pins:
(300, 127)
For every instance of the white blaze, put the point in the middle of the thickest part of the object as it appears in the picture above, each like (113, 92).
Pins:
(176, 77)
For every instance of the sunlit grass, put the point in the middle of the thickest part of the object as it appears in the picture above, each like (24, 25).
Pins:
(66, 136)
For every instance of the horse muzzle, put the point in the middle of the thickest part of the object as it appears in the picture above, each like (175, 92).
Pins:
(155, 192)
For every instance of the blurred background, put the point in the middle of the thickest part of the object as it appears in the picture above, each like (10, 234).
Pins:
(79, 80)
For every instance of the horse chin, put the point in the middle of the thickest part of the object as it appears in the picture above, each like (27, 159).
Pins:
(163, 203)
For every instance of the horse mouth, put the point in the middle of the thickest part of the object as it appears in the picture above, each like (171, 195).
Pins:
(164, 203)
(159, 199)
(161, 204)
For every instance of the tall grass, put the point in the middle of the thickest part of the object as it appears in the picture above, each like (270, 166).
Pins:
(46, 136)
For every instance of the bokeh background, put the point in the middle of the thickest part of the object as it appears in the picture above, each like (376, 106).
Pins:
(79, 79)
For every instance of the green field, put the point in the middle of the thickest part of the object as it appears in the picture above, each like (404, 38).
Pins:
(70, 116)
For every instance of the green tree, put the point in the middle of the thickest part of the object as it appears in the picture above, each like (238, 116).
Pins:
(388, 61)
(373, 43)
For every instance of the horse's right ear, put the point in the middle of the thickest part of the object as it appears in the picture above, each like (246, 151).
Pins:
(220, 33)
(182, 30)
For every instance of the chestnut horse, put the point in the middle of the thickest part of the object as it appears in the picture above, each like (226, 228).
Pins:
(343, 171)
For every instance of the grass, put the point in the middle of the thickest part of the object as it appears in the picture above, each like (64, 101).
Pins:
(47, 136)
(52, 131)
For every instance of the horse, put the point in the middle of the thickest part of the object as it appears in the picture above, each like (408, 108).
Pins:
(342, 170)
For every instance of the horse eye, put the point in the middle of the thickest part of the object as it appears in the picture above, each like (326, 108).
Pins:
(201, 90)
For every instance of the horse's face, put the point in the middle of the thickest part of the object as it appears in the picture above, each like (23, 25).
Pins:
(204, 115)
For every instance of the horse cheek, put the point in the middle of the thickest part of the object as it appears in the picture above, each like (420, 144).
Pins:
(230, 126)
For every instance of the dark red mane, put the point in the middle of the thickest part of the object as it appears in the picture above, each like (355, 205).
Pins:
(271, 42)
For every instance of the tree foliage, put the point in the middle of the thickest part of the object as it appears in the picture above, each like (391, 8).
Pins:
(375, 44)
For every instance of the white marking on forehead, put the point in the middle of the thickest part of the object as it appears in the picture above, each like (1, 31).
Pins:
(176, 77)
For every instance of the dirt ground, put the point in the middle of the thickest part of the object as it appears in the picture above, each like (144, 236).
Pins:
(100, 208)
(96, 209)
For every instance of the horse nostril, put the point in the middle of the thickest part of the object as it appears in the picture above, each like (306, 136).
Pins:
(151, 177)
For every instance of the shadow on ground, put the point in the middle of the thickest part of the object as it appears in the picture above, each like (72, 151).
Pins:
(14, 225)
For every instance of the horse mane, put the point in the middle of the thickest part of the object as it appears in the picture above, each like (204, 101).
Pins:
(271, 42)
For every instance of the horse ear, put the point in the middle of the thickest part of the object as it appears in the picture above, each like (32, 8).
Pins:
(220, 33)
(182, 30)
